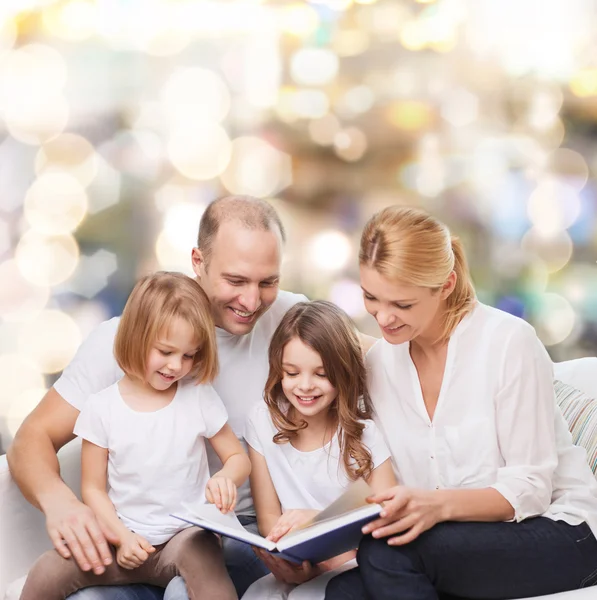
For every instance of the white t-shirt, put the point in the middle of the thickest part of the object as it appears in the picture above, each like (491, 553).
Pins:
(311, 480)
(240, 382)
(156, 460)
(496, 423)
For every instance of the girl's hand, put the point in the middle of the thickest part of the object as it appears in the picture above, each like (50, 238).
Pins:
(133, 551)
(407, 512)
(291, 519)
(221, 491)
(286, 571)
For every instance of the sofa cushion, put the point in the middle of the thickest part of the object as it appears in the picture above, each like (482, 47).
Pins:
(580, 411)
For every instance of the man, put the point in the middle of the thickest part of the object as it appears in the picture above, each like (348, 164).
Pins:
(237, 262)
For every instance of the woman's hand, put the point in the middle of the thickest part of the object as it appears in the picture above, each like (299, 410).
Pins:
(287, 571)
(222, 492)
(291, 519)
(407, 512)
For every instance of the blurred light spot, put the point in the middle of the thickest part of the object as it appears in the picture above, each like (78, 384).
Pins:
(17, 375)
(31, 96)
(553, 206)
(181, 225)
(73, 21)
(92, 274)
(460, 107)
(337, 5)
(193, 95)
(356, 101)
(307, 104)
(50, 340)
(69, 153)
(324, 130)
(313, 66)
(22, 406)
(350, 144)
(544, 108)
(171, 257)
(555, 250)
(350, 42)
(298, 19)
(413, 36)
(172, 193)
(330, 250)
(348, 295)
(555, 319)
(8, 33)
(45, 260)
(201, 151)
(20, 300)
(256, 168)
(584, 83)
(104, 189)
(570, 165)
(55, 204)
(410, 115)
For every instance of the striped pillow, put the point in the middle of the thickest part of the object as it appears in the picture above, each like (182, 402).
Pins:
(580, 411)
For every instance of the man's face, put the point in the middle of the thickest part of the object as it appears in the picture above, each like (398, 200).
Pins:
(242, 276)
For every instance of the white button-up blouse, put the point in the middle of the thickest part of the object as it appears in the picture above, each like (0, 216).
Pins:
(496, 423)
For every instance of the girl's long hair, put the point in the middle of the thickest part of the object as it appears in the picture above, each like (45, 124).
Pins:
(327, 330)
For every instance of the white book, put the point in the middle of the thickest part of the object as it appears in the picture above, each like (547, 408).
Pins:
(333, 531)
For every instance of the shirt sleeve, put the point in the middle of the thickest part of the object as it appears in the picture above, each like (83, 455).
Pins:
(91, 422)
(213, 410)
(93, 367)
(373, 440)
(525, 418)
(252, 431)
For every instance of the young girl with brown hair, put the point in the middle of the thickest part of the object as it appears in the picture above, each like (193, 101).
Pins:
(143, 454)
(311, 437)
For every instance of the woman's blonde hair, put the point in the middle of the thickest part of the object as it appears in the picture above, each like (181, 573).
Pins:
(153, 304)
(328, 331)
(409, 246)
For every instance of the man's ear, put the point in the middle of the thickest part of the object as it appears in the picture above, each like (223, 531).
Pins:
(450, 284)
(198, 261)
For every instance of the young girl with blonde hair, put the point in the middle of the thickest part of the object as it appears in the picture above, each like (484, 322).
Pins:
(311, 437)
(494, 500)
(143, 454)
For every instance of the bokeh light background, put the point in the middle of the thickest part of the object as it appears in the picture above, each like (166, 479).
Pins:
(121, 119)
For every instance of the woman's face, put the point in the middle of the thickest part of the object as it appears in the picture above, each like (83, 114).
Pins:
(403, 312)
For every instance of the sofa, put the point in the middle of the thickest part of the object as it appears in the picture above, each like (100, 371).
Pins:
(22, 529)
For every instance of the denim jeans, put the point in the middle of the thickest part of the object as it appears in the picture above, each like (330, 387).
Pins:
(485, 561)
(242, 564)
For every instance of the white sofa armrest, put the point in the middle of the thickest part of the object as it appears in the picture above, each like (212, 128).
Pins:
(23, 536)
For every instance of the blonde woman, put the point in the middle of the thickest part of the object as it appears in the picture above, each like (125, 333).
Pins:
(494, 501)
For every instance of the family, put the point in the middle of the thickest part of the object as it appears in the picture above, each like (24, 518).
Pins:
(450, 418)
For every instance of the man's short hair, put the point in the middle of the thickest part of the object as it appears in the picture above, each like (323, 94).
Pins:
(253, 213)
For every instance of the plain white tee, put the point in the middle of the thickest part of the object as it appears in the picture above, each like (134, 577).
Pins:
(156, 460)
(310, 480)
(240, 383)
(496, 423)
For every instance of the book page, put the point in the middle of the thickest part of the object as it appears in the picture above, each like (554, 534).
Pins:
(354, 497)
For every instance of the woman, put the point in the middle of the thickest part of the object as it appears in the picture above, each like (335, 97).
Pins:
(495, 501)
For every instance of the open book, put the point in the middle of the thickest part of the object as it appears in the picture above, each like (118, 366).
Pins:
(334, 530)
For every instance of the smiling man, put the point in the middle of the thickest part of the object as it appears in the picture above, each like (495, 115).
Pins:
(237, 262)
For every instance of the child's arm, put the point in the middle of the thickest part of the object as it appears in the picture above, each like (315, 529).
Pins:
(221, 489)
(133, 549)
(267, 503)
(382, 478)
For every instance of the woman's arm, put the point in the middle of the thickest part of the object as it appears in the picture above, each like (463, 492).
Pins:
(94, 469)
